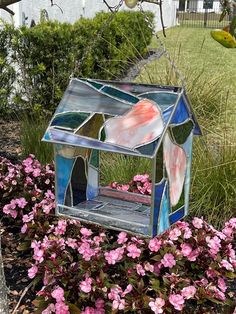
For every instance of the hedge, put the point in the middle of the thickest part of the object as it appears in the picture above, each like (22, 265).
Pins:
(46, 54)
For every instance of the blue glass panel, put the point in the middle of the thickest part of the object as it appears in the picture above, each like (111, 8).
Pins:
(187, 146)
(164, 211)
(159, 188)
(46, 136)
(166, 113)
(111, 91)
(181, 113)
(177, 215)
(76, 140)
(92, 187)
(163, 99)
(63, 173)
(81, 96)
(148, 149)
(70, 119)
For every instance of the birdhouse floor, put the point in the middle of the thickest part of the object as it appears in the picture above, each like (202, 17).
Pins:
(113, 213)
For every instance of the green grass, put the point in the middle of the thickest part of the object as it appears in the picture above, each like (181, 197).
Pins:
(32, 130)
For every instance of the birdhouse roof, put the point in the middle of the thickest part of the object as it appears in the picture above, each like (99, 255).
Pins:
(120, 117)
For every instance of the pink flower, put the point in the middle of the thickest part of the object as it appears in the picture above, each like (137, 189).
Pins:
(140, 270)
(50, 309)
(114, 293)
(114, 256)
(85, 285)
(197, 222)
(186, 249)
(154, 245)
(193, 255)
(86, 232)
(24, 228)
(226, 265)
(168, 260)
(61, 227)
(128, 289)
(58, 294)
(177, 301)
(62, 308)
(21, 202)
(141, 178)
(174, 234)
(32, 272)
(156, 306)
(222, 285)
(187, 233)
(122, 237)
(213, 244)
(99, 303)
(38, 255)
(72, 243)
(118, 304)
(149, 267)
(86, 251)
(188, 292)
(133, 251)
(123, 187)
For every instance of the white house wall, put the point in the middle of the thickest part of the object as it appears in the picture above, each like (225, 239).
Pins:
(74, 9)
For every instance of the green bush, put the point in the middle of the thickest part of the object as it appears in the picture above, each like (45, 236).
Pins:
(47, 54)
(7, 72)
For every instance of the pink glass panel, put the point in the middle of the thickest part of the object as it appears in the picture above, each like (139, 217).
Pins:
(141, 125)
(176, 162)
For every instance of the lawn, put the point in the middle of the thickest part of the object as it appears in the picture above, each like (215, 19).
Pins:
(198, 55)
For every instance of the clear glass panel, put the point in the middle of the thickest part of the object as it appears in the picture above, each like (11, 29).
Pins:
(141, 125)
(159, 165)
(76, 140)
(79, 180)
(91, 127)
(163, 99)
(81, 96)
(175, 163)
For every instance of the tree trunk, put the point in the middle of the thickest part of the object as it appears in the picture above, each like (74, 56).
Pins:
(3, 288)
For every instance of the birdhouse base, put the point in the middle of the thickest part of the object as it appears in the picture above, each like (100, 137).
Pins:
(111, 212)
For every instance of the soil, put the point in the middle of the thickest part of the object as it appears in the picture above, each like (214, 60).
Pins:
(10, 139)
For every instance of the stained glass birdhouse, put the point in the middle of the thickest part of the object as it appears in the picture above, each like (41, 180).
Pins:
(95, 118)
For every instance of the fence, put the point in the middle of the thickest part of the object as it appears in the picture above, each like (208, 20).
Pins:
(199, 13)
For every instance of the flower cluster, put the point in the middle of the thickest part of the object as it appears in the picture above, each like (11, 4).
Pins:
(141, 184)
(89, 270)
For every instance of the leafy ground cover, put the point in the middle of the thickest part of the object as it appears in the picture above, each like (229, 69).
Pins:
(78, 268)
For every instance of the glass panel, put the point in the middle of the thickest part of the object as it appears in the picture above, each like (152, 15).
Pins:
(159, 165)
(93, 178)
(120, 94)
(188, 150)
(69, 119)
(148, 149)
(181, 113)
(91, 127)
(163, 99)
(63, 173)
(164, 211)
(175, 163)
(76, 140)
(94, 158)
(180, 133)
(159, 188)
(79, 180)
(179, 214)
(166, 113)
(141, 125)
(180, 202)
(79, 96)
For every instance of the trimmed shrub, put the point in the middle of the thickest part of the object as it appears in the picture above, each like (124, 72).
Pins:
(47, 54)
